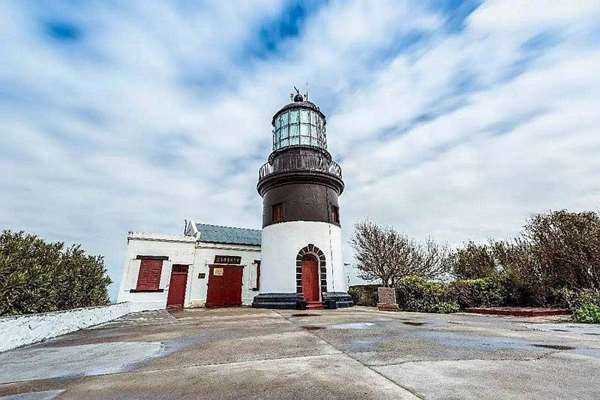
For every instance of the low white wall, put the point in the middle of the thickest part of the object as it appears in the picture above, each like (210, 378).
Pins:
(27, 329)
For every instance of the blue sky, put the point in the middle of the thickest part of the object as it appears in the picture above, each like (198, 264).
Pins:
(455, 120)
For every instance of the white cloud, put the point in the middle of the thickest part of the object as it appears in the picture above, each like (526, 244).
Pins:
(508, 17)
(161, 114)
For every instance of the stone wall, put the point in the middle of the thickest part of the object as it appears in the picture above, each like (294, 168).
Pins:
(21, 330)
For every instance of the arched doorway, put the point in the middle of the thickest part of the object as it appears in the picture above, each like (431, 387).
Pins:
(311, 275)
(310, 279)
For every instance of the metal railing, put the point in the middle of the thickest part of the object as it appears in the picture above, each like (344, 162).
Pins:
(301, 162)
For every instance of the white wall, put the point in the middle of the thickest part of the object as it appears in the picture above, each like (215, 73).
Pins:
(183, 250)
(179, 249)
(205, 255)
(281, 244)
(28, 329)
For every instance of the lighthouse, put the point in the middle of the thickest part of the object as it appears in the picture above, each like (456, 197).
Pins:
(301, 252)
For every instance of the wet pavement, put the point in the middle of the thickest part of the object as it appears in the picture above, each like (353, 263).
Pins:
(357, 353)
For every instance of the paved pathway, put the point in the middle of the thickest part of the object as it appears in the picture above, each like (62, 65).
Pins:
(356, 353)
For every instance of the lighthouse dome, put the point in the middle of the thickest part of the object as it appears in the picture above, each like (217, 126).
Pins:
(299, 123)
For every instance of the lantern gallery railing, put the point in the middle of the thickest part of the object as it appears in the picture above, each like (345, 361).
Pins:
(300, 163)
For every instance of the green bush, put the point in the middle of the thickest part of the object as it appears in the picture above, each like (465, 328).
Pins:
(483, 292)
(587, 296)
(588, 313)
(473, 261)
(572, 299)
(414, 293)
(585, 304)
(36, 276)
(364, 295)
(446, 307)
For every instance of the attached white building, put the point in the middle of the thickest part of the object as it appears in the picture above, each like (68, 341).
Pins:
(208, 265)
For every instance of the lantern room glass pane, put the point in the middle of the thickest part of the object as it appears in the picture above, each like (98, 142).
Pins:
(294, 116)
(304, 116)
(305, 140)
(294, 130)
(304, 129)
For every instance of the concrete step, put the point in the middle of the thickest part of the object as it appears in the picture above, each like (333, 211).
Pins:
(314, 305)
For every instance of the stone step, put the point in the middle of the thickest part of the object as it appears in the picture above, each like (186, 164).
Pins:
(314, 305)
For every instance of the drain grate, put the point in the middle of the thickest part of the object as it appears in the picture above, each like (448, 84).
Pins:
(554, 346)
(413, 323)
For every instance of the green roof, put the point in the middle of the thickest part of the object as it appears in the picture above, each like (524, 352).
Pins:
(230, 235)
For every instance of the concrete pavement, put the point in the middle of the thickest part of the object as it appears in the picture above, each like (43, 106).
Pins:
(356, 353)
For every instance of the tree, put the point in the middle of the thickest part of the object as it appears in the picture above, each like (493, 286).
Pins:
(36, 276)
(473, 261)
(432, 259)
(558, 250)
(385, 254)
(566, 246)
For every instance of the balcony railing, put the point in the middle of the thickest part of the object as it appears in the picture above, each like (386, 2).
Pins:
(301, 162)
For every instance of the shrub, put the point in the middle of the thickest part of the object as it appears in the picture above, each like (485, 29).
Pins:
(36, 276)
(415, 293)
(554, 251)
(587, 296)
(447, 307)
(473, 261)
(364, 295)
(483, 292)
(588, 313)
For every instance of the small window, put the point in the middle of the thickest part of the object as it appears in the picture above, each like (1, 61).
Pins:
(335, 214)
(277, 212)
(149, 276)
(256, 283)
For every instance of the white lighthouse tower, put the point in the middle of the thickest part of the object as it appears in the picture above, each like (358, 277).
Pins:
(302, 264)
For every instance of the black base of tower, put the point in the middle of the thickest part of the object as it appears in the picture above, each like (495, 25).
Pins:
(337, 300)
(295, 301)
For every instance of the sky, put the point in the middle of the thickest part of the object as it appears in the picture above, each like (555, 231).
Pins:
(455, 120)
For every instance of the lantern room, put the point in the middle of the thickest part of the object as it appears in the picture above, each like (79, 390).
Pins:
(299, 123)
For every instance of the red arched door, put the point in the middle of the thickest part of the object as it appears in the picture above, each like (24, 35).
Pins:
(310, 279)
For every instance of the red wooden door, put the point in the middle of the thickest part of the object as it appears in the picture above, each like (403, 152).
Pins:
(214, 295)
(177, 286)
(224, 286)
(310, 279)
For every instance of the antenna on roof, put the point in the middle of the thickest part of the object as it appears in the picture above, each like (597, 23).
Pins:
(306, 93)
